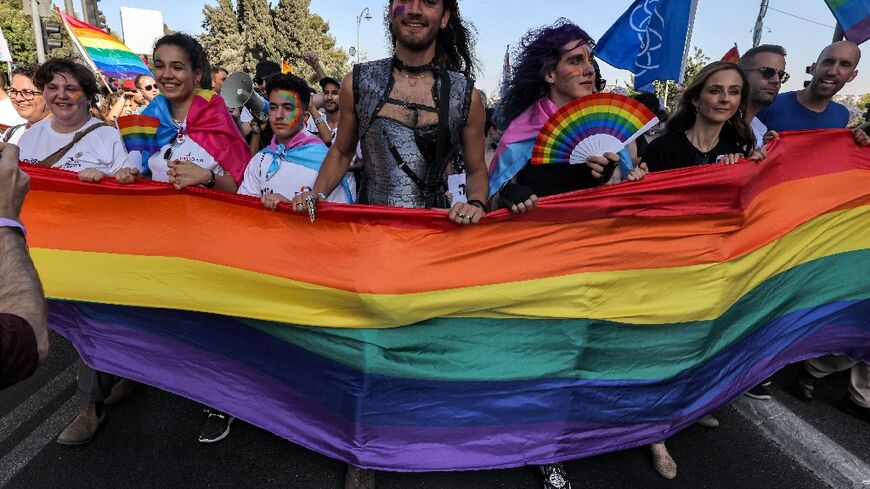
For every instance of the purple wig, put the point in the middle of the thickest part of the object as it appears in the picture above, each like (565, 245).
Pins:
(538, 53)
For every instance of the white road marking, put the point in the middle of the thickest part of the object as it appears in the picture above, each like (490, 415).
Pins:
(29, 408)
(831, 463)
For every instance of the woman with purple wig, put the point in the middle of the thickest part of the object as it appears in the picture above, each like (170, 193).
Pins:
(554, 67)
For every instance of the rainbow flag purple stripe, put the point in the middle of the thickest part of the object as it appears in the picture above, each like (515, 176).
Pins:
(854, 17)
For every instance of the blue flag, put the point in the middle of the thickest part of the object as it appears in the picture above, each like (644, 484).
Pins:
(650, 40)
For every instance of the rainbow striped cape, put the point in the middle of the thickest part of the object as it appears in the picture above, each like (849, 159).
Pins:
(392, 339)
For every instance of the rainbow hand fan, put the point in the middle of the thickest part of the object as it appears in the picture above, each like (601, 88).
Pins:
(591, 126)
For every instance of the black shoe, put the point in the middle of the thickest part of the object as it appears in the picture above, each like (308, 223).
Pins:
(849, 406)
(555, 476)
(760, 392)
(806, 384)
(216, 426)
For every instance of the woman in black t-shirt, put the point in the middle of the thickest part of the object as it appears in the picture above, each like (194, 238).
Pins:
(708, 125)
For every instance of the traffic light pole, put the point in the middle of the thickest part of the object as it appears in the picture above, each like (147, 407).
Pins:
(37, 31)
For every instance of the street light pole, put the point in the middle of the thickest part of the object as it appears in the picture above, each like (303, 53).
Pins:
(368, 16)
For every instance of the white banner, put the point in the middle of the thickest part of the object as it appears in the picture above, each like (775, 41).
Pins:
(4, 48)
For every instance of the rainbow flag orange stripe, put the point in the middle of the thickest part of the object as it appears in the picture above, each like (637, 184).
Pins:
(139, 132)
(112, 57)
(393, 339)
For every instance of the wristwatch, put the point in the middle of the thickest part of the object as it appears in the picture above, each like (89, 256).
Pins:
(15, 225)
(210, 183)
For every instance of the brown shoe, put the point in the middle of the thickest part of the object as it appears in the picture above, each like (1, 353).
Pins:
(83, 427)
(357, 478)
(663, 462)
(121, 391)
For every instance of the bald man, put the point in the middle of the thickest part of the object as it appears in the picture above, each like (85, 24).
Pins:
(812, 107)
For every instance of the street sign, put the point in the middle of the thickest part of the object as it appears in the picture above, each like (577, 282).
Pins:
(44, 7)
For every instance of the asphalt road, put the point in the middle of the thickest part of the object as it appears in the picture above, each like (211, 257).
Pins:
(150, 442)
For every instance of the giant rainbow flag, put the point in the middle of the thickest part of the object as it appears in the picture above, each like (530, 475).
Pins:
(110, 56)
(392, 339)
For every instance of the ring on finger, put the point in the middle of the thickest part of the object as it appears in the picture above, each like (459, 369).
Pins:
(461, 216)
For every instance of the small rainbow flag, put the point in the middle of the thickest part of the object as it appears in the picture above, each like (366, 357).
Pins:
(110, 56)
(604, 319)
(854, 17)
(139, 132)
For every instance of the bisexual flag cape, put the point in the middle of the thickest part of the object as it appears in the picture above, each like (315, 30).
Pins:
(209, 124)
(515, 147)
(394, 339)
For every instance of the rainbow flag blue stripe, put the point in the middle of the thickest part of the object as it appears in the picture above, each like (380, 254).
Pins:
(605, 319)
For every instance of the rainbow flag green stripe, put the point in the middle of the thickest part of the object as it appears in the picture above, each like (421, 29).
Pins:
(395, 340)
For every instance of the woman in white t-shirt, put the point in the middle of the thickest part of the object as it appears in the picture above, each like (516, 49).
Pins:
(197, 142)
(28, 102)
(69, 140)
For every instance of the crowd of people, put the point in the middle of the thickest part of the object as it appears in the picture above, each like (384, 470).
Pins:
(392, 132)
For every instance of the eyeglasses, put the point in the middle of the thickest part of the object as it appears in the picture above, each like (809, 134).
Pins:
(25, 94)
(258, 81)
(768, 72)
(148, 88)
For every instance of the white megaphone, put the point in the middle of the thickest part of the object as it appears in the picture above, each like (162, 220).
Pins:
(238, 90)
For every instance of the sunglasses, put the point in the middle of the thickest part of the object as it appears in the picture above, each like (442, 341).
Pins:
(148, 88)
(767, 73)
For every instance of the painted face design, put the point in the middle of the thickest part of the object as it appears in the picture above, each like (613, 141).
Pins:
(398, 11)
(293, 115)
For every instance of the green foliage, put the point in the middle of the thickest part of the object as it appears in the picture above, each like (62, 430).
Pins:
(258, 32)
(694, 64)
(18, 30)
(297, 32)
(223, 38)
(238, 38)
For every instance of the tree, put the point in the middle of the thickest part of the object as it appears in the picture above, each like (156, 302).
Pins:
(670, 88)
(18, 30)
(223, 38)
(297, 31)
(258, 33)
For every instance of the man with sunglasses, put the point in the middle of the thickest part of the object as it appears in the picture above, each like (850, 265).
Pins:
(8, 115)
(813, 107)
(147, 87)
(765, 69)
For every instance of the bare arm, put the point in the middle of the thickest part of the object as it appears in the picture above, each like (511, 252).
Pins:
(313, 60)
(476, 176)
(473, 149)
(20, 290)
(340, 153)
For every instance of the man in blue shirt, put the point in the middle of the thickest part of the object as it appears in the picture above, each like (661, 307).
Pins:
(812, 107)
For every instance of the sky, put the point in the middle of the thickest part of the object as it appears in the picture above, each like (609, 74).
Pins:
(718, 25)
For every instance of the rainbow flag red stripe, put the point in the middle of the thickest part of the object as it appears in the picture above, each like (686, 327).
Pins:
(392, 339)
(111, 56)
(139, 132)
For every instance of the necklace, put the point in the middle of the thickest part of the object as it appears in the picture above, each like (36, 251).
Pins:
(410, 76)
(428, 67)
